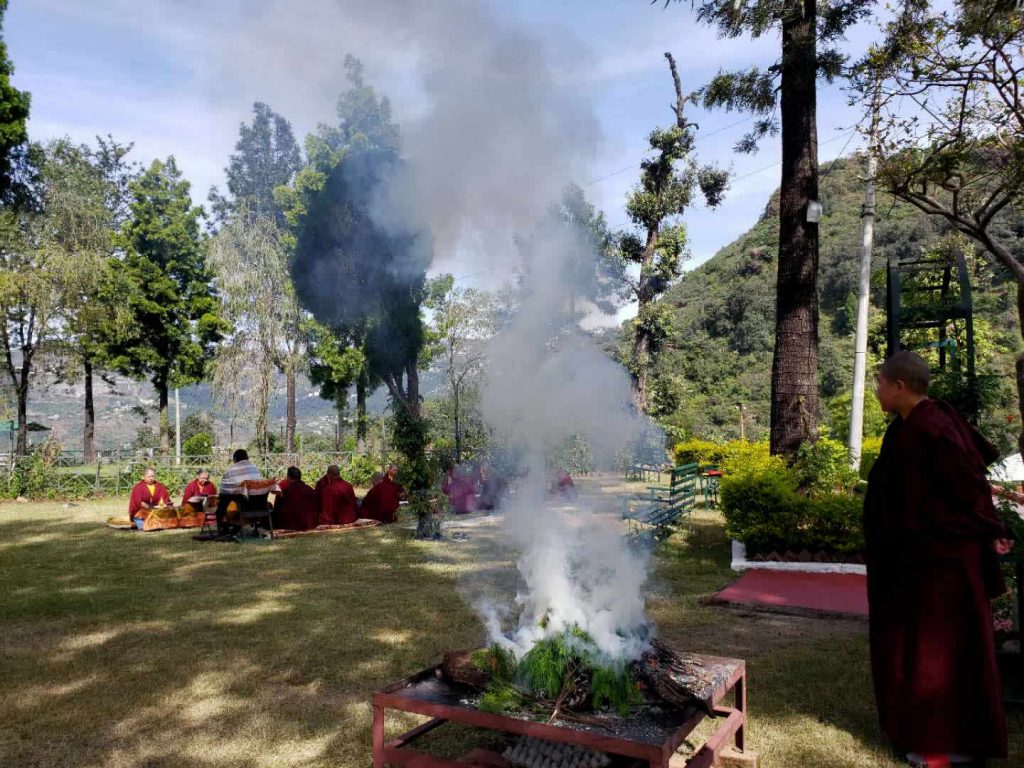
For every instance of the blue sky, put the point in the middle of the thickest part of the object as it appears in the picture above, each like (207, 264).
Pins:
(177, 77)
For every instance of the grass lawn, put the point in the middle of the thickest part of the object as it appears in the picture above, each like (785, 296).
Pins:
(127, 649)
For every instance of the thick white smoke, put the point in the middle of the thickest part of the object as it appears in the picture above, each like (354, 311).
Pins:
(547, 382)
(491, 134)
(491, 142)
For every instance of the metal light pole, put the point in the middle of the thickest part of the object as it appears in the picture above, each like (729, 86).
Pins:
(867, 218)
(177, 428)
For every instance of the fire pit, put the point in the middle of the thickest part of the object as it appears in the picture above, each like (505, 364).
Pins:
(648, 734)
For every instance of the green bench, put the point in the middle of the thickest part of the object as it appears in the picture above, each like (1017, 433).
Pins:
(641, 471)
(656, 513)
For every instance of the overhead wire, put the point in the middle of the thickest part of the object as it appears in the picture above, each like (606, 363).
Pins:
(848, 136)
(700, 137)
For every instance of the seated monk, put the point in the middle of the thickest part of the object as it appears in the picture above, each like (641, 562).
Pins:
(337, 498)
(297, 506)
(381, 501)
(491, 488)
(146, 494)
(200, 486)
(561, 484)
(459, 488)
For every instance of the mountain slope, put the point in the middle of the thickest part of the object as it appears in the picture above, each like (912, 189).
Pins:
(719, 351)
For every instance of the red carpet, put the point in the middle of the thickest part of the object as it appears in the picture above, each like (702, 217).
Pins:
(827, 592)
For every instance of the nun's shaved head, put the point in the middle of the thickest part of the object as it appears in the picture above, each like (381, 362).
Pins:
(908, 367)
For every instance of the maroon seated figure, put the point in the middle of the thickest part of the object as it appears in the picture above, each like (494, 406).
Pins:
(200, 486)
(297, 506)
(560, 484)
(382, 500)
(460, 490)
(337, 498)
(932, 542)
(146, 494)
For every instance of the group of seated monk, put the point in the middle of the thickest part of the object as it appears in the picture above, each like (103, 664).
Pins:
(297, 506)
(332, 501)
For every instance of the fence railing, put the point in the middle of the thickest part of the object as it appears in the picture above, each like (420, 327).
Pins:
(114, 473)
(59, 477)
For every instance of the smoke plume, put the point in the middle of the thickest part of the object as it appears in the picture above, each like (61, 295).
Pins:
(546, 382)
(489, 144)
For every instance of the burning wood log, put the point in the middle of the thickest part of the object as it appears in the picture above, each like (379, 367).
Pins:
(660, 673)
(678, 680)
(458, 666)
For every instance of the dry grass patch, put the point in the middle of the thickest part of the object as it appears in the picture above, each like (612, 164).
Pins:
(124, 649)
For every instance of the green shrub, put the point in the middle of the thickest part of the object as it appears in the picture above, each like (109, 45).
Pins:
(823, 467)
(834, 524)
(361, 469)
(746, 457)
(839, 417)
(762, 510)
(1007, 512)
(733, 457)
(699, 451)
(200, 444)
(575, 456)
(766, 512)
(869, 451)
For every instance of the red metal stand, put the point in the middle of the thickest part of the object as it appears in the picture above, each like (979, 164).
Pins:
(651, 741)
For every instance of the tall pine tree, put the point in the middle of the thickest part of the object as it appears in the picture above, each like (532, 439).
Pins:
(175, 311)
(14, 105)
(810, 31)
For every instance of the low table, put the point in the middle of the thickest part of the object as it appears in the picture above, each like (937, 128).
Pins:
(649, 734)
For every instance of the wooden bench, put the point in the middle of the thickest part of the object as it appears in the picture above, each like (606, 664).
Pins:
(641, 471)
(655, 514)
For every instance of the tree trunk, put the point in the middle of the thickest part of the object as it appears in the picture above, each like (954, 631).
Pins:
(642, 335)
(339, 408)
(21, 448)
(289, 421)
(412, 389)
(361, 414)
(1020, 365)
(458, 426)
(641, 357)
(89, 431)
(165, 421)
(795, 365)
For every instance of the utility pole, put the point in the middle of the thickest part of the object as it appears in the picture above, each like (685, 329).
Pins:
(743, 432)
(177, 428)
(867, 230)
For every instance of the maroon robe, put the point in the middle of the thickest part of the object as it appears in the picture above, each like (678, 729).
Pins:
(297, 507)
(141, 495)
(381, 501)
(460, 492)
(195, 488)
(929, 527)
(337, 501)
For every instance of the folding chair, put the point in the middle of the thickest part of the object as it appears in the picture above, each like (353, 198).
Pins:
(257, 504)
(209, 515)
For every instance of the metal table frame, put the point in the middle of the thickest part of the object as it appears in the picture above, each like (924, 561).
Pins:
(398, 751)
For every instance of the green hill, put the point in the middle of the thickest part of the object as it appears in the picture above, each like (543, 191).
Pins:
(719, 351)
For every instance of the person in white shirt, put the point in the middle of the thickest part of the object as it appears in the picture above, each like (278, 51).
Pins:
(231, 485)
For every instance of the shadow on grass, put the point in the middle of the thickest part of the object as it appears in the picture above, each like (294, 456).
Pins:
(810, 692)
(131, 649)
(123, 649)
